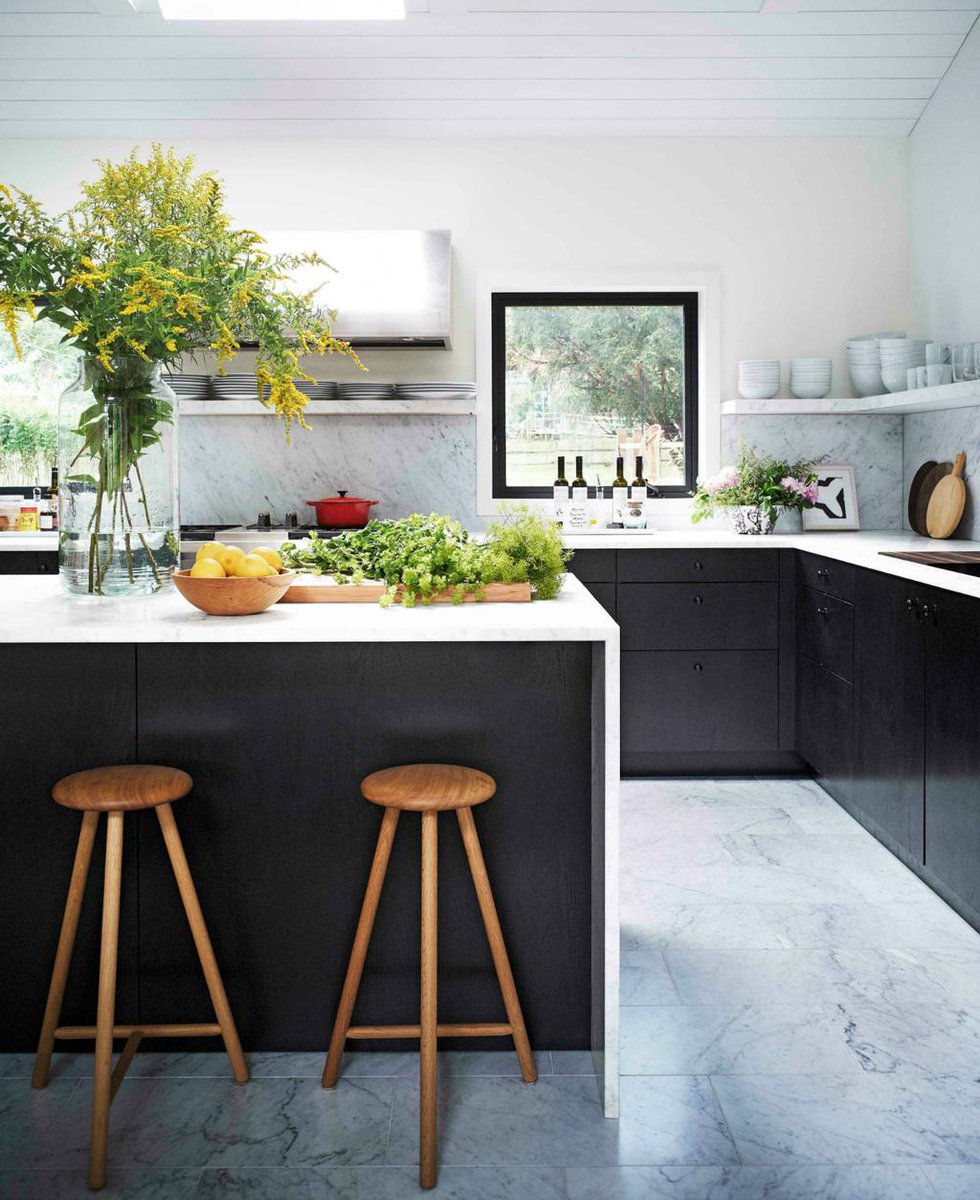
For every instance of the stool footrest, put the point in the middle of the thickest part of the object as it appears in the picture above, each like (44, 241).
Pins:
(414, 1031)
(81, 1032)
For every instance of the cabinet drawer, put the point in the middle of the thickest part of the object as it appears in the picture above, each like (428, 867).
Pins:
(690, 616)
(28, 562)
(824, 721)
(703, 701)
(593, 566)
(826, 631)
(696, 566)
(827, 575)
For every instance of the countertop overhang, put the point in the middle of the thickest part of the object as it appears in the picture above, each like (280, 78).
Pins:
(33, 608)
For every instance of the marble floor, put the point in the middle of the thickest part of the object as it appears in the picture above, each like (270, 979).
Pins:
(801, 1021)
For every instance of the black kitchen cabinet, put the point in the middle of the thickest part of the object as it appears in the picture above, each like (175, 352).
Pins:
(825, 632)
(825, 724)
(952, 749)
(696, 702)
(889, 675)
(28, 562)
(698, 616)
(597, 570)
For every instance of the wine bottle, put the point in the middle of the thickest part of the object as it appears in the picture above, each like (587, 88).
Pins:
(561, 492)
(620, 494)
(638, 488)
(54, 497)
(578, 509)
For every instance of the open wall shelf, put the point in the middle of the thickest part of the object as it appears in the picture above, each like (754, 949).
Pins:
(334, 408)
(934, 399)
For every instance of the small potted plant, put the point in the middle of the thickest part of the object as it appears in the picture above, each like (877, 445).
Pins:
(753, 493)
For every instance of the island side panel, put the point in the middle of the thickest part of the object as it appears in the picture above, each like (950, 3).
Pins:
(277, 738)
(63, 709)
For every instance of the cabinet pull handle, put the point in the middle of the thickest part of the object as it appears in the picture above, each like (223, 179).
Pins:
(925, 613)
(698, 667)
(698, 599)
(909, 605)
(822, 574)
(823, 611)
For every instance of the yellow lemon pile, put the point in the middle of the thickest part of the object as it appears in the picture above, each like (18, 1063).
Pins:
(218, 561)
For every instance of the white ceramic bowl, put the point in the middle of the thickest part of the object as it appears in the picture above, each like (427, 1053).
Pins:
(895, 379)
(749, 392)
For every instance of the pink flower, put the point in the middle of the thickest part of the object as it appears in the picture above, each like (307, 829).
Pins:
(806, 491)
(727, 477)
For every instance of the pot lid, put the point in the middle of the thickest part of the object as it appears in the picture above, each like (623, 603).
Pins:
(342, 498)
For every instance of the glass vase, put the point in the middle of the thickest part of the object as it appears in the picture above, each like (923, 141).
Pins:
(117, 458)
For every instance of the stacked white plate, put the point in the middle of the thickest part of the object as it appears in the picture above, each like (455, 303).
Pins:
(758, 378)
(809, 378)
(318, 389)
(897, 355)
(365, 391)
(189, 387)
(864, 362)
(240, 385)
(438, 390)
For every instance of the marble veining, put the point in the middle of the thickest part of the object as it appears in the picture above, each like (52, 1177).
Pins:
(940, 436)
(233, 467)
(871, 444)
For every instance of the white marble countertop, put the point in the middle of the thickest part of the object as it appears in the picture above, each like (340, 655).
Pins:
(863, 549)
(28, 541)
(33, 608)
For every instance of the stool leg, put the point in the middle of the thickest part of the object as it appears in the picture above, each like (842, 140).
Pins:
(66, 943)
(205, 951)
(501, 962)
(102, 1085)
(355, 968)
(428, 1015)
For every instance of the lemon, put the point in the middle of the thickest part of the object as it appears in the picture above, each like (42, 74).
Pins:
(210, 550)
(250, 565)
(272, 557)
(207, 568)
(229, 557)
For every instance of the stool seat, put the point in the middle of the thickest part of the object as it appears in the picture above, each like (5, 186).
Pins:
(123, 788)
(428, 787)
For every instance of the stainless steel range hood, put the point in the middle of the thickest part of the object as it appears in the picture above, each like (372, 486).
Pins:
(390, 287)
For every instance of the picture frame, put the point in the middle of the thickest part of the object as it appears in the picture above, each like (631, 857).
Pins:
(836, 505)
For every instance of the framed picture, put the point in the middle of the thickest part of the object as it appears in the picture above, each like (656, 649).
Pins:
(836, 504)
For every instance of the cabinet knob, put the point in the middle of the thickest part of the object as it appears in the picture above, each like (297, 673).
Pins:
(909, 605)
(698, 599)
(42, 568)
(698, 565)
(698, 667)
(822, 574)
(823, 611)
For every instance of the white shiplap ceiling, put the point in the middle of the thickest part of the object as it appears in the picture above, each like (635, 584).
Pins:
(97, 68)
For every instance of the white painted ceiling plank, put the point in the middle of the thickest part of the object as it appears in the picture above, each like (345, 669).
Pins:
(125, 48)
(274, 91)
(141, 130)
(603, 24)
(625, 112)
(176, 71)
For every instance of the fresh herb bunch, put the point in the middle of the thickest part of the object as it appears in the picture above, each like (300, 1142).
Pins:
(149, 265)
(421, 556)
(758, 481)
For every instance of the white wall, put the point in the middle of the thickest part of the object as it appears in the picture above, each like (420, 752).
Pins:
(809, 238)
(810, 235)
(944, 174)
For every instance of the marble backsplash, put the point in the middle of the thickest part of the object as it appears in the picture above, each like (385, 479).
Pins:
(940, 436)
(872, 445)
(231, 467)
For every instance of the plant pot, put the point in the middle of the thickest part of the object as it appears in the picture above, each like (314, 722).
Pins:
(746, 518)
(117, 457)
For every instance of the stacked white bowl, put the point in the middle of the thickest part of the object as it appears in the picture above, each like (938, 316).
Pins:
(809, 378)
(758, 378)
(864, 362)
(897, 355)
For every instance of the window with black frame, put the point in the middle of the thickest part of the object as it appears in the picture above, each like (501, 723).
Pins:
(596, 374)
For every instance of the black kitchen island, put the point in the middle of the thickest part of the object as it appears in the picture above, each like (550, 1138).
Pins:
(277, 717)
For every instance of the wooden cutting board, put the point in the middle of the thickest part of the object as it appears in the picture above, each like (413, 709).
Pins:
(926, 488)
(319, 589)
(947, 502)
(914, 493)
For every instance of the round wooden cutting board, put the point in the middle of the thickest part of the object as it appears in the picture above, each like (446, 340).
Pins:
(947, 502)
(917, 521)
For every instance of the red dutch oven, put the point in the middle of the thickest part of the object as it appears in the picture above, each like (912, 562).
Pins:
(342, 511)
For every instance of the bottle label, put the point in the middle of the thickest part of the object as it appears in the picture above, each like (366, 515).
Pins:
(560, 502)
(619, 497)
(638, 493)
(578, 509)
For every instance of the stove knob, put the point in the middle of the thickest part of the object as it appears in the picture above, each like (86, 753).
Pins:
(265, 520)
(292, 520)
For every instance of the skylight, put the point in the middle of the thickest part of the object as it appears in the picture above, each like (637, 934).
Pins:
(283, 10)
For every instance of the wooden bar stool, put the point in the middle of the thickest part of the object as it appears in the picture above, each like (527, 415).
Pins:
(116, 791)
(428, 788)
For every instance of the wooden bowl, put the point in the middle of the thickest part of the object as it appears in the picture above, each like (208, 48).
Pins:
(233, 597)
